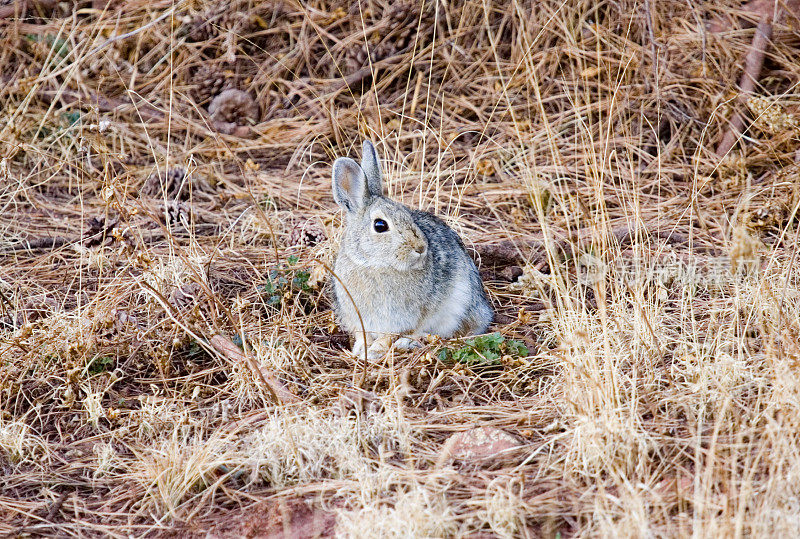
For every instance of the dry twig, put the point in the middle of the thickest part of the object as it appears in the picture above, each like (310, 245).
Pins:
(752, 70)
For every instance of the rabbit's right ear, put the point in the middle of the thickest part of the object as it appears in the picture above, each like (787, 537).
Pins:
(372, 168)
(349, 184)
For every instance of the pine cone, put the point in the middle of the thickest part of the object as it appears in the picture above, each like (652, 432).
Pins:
(403, 12)
(177, 214)
(768, 217)
(209, 81)
(105, 66)
(212, 23)
(175, 185)
(233, 107)
(200, 29)
(169, 185)
(306, 233)
(99, 231)
(771, 208)
(357, 56)
(405, 22)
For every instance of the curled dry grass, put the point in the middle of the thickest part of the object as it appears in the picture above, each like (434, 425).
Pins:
(656, 401)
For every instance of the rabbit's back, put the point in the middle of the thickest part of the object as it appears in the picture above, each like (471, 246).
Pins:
(456, 282)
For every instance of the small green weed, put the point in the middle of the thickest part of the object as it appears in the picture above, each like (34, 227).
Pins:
(285, 283)
(484, 350)
(59, 45)
(101, 364)
(194, 350)
(71, 117)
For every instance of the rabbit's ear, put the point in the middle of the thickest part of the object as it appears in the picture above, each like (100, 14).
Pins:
(349, 184)
(372, 168)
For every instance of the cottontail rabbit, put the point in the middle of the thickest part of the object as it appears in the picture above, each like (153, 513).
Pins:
(405, 271)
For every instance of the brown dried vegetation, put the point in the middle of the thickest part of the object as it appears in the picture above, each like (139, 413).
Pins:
(573, 146)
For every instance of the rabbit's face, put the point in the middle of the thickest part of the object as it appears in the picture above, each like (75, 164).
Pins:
(379, 232)
(387, 236)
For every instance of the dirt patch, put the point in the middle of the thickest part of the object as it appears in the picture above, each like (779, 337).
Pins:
(274, 519)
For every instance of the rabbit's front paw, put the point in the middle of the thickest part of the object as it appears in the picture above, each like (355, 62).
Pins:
(407, 344)
(358, 347)
(379, 347)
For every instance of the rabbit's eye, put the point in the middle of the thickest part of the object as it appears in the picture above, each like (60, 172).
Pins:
(380, 225)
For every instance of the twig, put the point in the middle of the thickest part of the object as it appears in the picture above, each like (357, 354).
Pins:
(146, 112)
(358, 76)
(515, 251)
(347, 83)
(653, 46)
(137, 30)
(753, 63)
(35, 245)
(59, 241)
(103, 104)
(56, 507)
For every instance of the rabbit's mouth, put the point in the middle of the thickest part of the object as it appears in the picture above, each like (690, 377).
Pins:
(416, 256)
(403, 259)
(413, 250)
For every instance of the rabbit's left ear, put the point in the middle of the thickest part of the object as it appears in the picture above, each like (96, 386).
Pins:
(349, 185)
(372, 169)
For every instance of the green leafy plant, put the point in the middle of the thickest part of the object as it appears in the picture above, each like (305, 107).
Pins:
(194, 349)
(484, 350)
(59, 45)
(101, 364)
(285, 283)
(71, 117)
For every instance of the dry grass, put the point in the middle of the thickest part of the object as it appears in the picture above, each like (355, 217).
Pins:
(661, 399)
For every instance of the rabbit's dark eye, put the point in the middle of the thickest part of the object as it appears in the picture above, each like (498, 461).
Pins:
(380, 225)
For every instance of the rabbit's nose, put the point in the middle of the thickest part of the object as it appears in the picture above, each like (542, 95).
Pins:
(419, 248)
